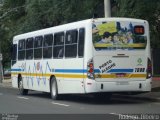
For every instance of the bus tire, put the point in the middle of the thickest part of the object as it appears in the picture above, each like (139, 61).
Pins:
(22, 91)
(54, 89)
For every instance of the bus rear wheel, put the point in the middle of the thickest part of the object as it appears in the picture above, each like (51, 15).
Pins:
(22, 91)
(54, 89)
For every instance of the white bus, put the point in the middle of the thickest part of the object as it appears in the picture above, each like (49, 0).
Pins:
(97, 56)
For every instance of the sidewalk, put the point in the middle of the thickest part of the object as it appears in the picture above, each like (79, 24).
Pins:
(6, 83)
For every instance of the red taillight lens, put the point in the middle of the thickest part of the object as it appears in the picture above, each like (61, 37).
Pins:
(90, 69)
(91, 65)
(149, 69)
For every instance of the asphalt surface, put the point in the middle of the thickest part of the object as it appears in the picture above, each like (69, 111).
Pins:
(38, 105)
(41, 103)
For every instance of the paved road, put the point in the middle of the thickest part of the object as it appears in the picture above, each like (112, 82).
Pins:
(39, 106)
(40, 103)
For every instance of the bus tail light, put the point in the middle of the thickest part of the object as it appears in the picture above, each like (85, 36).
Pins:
(90, 69)
(149, 69)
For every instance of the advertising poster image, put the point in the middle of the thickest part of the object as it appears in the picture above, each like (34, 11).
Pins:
(118, 35)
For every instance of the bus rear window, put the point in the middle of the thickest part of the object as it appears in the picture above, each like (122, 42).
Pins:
(113, 35)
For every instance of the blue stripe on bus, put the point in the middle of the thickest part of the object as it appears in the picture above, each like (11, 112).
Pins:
(70, 70)
(17, 70)
(120, 71)
(74, 70)
(97, 71)
(64, 70)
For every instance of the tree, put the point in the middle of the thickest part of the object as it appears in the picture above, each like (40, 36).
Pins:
(10, 12)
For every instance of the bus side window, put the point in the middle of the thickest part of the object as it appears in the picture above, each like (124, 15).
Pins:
(47, 46)
(38, 47)
(58, 49)
(71, 44)
(14, 54)
(29, 48)
(21, 49)
(81, 42)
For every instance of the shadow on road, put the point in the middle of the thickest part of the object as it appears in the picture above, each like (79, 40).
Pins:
(89, 99)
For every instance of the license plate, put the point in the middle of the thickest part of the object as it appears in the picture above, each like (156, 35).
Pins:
(120, 75)
(122, 83)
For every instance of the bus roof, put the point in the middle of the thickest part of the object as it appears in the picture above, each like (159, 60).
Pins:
(72, 25)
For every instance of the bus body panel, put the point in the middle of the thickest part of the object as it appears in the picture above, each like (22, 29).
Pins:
(119, 86)
(36, 74)
(73, 76)
(119, 65)
(115, 67)
(115, 71)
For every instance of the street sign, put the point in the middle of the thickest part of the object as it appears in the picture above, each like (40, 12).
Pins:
(1, 56)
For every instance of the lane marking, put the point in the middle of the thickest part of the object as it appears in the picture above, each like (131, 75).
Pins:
(22, 97)
(60, 104)
(1, 93)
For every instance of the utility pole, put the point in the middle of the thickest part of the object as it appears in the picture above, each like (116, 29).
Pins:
(107, 8)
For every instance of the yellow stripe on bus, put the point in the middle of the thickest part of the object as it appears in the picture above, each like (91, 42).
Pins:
(138, 76)
(48, 75)
(126, 76)
(124, 45)
(81, 76)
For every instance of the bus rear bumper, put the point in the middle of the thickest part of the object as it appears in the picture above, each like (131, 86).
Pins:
(118, 86)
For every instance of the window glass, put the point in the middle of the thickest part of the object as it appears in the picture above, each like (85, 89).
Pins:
(38, 47)
(71, 37)
(71, 44)
(48, 40)
(58, 49)
(21, 49)
(59, 38)
(21, 44)
(14, 52)
(47, 46)
(81, 42)
(29, 43)
(38, 41)
(29, 48)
